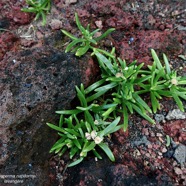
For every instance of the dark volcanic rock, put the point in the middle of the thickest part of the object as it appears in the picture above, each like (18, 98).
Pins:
(34, 83)
(104, 173)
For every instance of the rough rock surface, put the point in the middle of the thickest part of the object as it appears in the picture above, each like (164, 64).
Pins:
(34, 83)
(180, 154)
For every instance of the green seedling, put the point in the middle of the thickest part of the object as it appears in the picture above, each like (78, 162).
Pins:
(120, 81)
(117, 94)
(163, 82)
(168, 139)
(81, 45)
(38, 7)
(80, 136)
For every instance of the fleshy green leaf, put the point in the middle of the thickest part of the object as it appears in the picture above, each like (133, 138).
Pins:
(73, 151)
(156, 59)
(56, 128)
(142, 103)
(96, 95)
(106, 87)
(82, 50)
(97, 154)
(107, 62)
(81, 96)
(178, 101)
(154, 101)
(94, 86)
(89, 147)
(167, 66)
(126, 118)
(105, 34)
(168, 140)
(69, 35)
(107, 113)
(68, 112)
(72, 44)
(76, 162)
(107, 150)
(110, 128)
(138, 110)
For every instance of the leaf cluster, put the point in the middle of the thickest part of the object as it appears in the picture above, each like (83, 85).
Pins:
(121, 82)
(39, 7)
(88, 40)
(118, 93)
(163, 82)
(83, 130)
(126, 84)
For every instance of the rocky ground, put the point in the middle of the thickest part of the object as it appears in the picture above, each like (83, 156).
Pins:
(37, 78)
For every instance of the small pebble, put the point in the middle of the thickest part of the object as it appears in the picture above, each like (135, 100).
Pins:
(159, 126)
(155, 146)
(56, 24)
(175, 163)
(142, 152)
(149, 146)
(178, 170)
(156, 164)
(161, 140)
(148, 155)
(60, 169)
(152, 134)
(146, 163)
(99, 24)
(159, 135)
(70, 1)
(137, 153)
(164, 150)
(145, 131)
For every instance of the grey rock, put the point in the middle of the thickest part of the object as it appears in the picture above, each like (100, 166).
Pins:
(173, 144)
(142, 141)
(159, 118)
(180, 154)
(175, 114)
(181, 28)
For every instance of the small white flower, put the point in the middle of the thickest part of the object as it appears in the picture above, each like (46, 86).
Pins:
(174, 81)
(98, 140)
(126, 68)
(96, 122)
(119, 74)
(93, 134)
(83, 154)
(69, 145)
(87, 135)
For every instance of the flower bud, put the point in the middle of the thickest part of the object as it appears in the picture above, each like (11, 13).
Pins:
(88, 136)
(93, 134)
(174, 81)
(96, 122)
(98, 140)
(119, 74)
